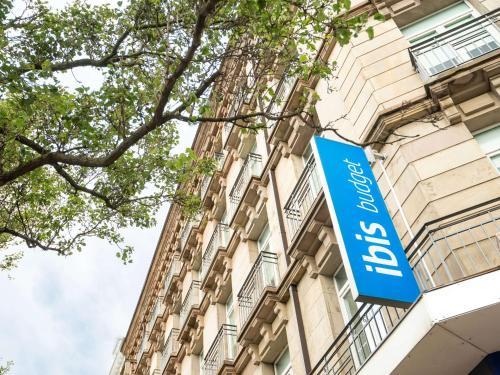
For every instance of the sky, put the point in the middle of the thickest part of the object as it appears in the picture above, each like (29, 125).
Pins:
(63, 316)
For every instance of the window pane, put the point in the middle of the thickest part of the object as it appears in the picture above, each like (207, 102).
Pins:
(263, 241)
(496, 161)
(436, 19)
(341, 278)
(283, 363)
(489, 140)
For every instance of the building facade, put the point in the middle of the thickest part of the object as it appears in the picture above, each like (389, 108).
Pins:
(255, 284)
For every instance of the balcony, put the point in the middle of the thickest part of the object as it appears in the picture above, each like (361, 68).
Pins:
(264, 274)
(191, 301)
(157, 312)
(186, 230)
(220, 239)
(251, 167)
(283, 91)
(228, 136)
(446, 253)
(222, 351)
(302, 197)
(169, 349)
(173, 271)
(219, 162)
(456, 46)
(143, 348)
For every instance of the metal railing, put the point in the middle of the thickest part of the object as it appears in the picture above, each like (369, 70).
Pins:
(204, 186)
(222, 349)
(456, 46)
(264, 273)
(284, 88)
(228, 126)
(446, 252)
(251, 167)
(142, 348)
(191, 300)
(173, 270)
(187, 229)
(155, 313)
(219, 162)
(302, 197)
(443, 252)
(169, 348)
(220, 238)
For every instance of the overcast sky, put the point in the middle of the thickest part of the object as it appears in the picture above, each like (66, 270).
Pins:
(62, 316)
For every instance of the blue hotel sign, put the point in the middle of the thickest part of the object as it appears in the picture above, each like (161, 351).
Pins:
(373, 257)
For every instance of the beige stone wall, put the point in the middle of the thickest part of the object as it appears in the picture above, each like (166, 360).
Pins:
(490, 4)
(373, 76)
(438, 173)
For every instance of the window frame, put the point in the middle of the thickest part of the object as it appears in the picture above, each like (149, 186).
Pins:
(288, 370)
(488, 154)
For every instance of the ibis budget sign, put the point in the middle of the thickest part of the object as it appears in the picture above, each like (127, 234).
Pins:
(371, 251)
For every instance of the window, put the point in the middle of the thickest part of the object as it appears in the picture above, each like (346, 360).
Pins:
(440, 43)
(313, 178)
(367, 331)
(231, 319)
(268, 270)
(282, 366)
(489, 141)
(263, 241)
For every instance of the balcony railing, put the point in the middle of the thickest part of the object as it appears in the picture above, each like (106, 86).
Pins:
(228, 126)
(264, 273)
(192, 299)
(457, 46)
(219, 162)
(251, 167)
(444, 251)
(223, 349)
(142, 348)
(302, 197)
(155, 313)
(187, 229)
(282, 92)
(220, 238)
(173, 270)
(170, 348)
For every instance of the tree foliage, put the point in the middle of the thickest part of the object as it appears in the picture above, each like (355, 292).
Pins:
(4, 370)
(80, 162)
